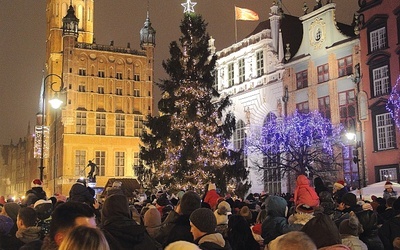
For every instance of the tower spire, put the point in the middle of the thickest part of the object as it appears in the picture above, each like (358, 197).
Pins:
(147, 33)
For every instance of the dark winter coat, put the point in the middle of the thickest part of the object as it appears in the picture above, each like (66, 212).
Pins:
(388, 231)
(275, 224)
(176, 227)
(369, 221)
(124, 233)
(213, 241)
(38, 192)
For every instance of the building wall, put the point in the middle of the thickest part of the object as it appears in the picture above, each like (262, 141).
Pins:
(375, 14)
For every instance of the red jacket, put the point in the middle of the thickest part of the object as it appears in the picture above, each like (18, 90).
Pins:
(212, 198)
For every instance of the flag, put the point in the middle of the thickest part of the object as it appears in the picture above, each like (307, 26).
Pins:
(245, 14)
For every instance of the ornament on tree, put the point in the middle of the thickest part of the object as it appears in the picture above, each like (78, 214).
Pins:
(188, 6)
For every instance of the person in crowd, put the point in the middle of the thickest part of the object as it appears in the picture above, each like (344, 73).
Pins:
(389, 212)
(202, 227)
(80, 193)
(86, 238)
(212, 196)
(323, 231)
(10, 210)
(256, 228)
(292, 240)
(275, 224)
(35, 193)
(390, 229)
(327, 204)
(389, 192)
(120, 230)
(304, 193)
(43, 210)
(182, 245)
(240, 235)
(222, 214)
(369, 221)
(247, 214)
(302, 215)
(319, 185)
(152, 221)
(339, 189)
(349, 230)
(163, 205)
(348, 203)
(28, 233)
(6, 225)
(65, 217)
(396, 243)
(177, 225)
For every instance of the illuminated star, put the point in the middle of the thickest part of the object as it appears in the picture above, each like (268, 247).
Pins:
(188, 6)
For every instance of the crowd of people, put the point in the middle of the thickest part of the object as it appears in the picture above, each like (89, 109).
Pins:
(316, 216)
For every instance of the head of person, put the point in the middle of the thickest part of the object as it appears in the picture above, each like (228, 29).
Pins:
(351, 226)
(202, 221)
(293, 240)
(26, 217)
(322, 230)
(11, 209)
(67, 216)
(83, 237)
(349, 200)
(388, 187)
(182, 245)
(116, 205)
(190, 201)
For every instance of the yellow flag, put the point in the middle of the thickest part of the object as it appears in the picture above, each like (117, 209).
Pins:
(245, 14)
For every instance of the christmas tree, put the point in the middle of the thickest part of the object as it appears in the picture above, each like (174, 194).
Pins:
(187, 145)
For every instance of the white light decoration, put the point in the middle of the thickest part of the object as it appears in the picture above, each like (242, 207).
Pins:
(188, 6)
(37, 153)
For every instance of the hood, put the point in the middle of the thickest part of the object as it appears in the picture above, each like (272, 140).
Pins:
(276, 206)
(124, 229)
(216, 238)
(302, 180)
(28, 234)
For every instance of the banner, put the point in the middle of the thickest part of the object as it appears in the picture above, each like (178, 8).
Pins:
(245, 14)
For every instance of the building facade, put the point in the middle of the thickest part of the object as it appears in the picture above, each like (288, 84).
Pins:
(107, 91)
(379, 31)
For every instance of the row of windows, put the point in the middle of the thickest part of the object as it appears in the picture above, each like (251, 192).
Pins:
(100, 160)
(81, 125)
(101, 74)
(345, 68)
(118, 90)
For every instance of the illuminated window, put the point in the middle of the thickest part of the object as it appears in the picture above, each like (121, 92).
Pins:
(385, 132)
(241, 70)
(138, 126)
(119, 163)
(100, 161)
(323, 73)
(345, 66)
(80, 163)
(347, 109)
(260, 63)
(377, 39)
(231, 74)
(239, 135)
(381, 80)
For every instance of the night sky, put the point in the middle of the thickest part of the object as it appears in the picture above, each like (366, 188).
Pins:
(23, 34)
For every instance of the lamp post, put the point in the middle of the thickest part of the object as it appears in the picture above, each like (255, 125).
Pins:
(55, 103)
(356, 159)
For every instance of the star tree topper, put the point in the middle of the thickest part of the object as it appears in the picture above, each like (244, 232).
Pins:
(188, 6)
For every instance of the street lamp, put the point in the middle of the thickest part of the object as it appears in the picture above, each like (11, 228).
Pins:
(55, 103)
(353, 138)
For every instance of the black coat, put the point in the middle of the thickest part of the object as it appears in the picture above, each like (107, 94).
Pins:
(369, 221)
(176, 227)
(388, 231)
(124, 233)
(80, 193)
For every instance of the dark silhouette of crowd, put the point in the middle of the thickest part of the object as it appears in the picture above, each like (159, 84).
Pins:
(317, 216)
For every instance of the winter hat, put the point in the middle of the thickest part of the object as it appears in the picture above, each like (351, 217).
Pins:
(12, 209)
(162, 201)
(339, 184)
(6, 223)
(304, 209)
(115, 205)
(388, 184)
(36, 183)
(182, 245)
(212, 186)
(204, 220)
(43, 209)
(322, 230)
(349, 199)
(41, 201)
(224, 208)
(351, 226)
(246, 213)
(152, 217)
(190, 201)
(367, 206)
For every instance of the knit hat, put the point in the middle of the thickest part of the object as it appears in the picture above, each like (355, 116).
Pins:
(349, 199)
(190, 201)
(351, 226)
(12, 209)
(224, 208)
(36, 183)
(152, 217)
(204, 220)
(41, 201)
(304, 209)
(43, 209)
(339, 184)
(6, 223)
(322, 230)
(246, 213)
(182, 245)
(388, 184)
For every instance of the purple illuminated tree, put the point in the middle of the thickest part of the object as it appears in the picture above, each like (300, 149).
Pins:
(393, 104)
(301, 143)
